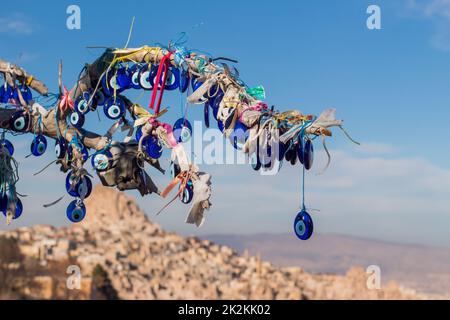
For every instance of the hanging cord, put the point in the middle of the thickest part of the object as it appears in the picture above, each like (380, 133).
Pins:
(53, 203)
(328, 157)
(130, 32)
(348, 136)
(303, 189)
(43, 169)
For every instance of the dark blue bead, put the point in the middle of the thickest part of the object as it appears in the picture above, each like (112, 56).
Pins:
(101, 160)
(38, 145)
(76, 211)
(303, 225)
(182, 130)
(133, 73)
(76, 119)
(25, 92)
(60, 148)
(8, 145)
(184, 81)
(114, 108)
(152, 147)
(308, 156)
(20, 121)
(6, 93)
(82, 189)
(187, 194)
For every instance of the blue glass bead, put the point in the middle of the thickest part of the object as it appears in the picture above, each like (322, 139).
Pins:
(187, 194)
(152, 147)
(101, 160)
(82, 189)
(182, 130)
(76, 119)
(20, 121)
(38, 145)
(114, 108)
(60, 148)
(303, 225)
(8, 145)
(308, 156)
(76, 211)
(184, 81)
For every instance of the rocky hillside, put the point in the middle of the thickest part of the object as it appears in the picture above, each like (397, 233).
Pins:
(121, 254)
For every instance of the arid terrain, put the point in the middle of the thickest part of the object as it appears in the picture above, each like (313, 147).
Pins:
(123, 255)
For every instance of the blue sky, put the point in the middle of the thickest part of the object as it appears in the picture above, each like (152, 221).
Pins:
(391, 86)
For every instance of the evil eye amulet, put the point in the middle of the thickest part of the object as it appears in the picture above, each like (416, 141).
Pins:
(239, 135)
(216, 103)
(282, 148)
(301, 151)
(114, 108)
(123, 78)
(308, 155)
(81, 105)
(173, 79)
(25, 92)
(175, 169)
(195, 84)
(101, 160)
(38, 145)
(303, 225)
(60, 148)
(291, 154)
(76, 119)
(110, 85)
(3, 203)
(138, 133)
(20, 121)
(76, 211)
(217, 93)
(184, 81)
(147, 77)
(18, 207)
(152, 147)
(133, 73)
(6, 93)
(254, 161)
(206, 114)
(82, 189)
(8, 146)
(187, 194)
(220, 125)
(182, 130)
(85, 153)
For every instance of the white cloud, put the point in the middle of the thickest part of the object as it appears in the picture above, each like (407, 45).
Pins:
(16, 23)
(437, 11)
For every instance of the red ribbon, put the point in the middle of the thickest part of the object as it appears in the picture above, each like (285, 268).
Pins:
(163, 66)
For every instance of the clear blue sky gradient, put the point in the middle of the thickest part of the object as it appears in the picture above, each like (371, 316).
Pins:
(391, 87)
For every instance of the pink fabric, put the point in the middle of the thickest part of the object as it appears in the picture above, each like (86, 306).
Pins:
(257, 107)
(66, 101)
(173, 142)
